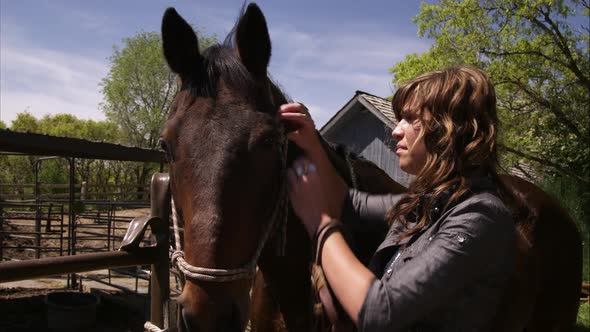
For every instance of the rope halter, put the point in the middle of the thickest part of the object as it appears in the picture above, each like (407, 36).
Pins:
(278, 221)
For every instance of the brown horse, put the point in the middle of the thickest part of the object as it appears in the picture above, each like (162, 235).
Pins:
(228, 155)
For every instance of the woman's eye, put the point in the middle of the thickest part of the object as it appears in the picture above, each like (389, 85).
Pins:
(409, 117)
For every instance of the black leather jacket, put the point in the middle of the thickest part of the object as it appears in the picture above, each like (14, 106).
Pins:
(448, 277)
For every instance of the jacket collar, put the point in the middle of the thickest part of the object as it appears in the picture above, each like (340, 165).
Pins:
(478, 181)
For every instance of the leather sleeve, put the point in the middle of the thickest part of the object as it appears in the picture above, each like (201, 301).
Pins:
(364, 212)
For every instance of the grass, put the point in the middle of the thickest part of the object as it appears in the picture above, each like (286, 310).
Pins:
(583, 322)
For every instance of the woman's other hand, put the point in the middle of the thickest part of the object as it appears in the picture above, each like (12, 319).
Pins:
(303, 133)
(301, 129)
(307, 195)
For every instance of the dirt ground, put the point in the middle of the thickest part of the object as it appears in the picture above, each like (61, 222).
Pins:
(24, 310)
(22, 303)
(91, 233)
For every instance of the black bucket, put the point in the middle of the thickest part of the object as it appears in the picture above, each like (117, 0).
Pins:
(71, 310)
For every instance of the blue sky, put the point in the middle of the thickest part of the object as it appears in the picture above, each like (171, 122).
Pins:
(53, 54)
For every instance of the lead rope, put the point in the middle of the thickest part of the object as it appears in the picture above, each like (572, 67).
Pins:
(177, 243)
(320, 320)
(150, 327)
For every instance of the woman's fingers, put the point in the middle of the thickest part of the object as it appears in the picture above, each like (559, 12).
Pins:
(293, 108)
(303, 167)
(297, 121)
(305, 192)
(296, 116)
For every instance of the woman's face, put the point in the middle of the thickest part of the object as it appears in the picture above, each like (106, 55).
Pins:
(410, 147)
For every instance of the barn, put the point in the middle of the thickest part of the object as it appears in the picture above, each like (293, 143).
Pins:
(364, 125)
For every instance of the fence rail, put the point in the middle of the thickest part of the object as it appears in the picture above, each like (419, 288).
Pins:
(156, 256)
(81, 191)
(44, 267)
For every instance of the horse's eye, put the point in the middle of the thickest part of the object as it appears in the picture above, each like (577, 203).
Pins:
(167, 152)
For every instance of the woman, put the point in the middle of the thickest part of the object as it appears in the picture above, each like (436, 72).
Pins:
(450, 247)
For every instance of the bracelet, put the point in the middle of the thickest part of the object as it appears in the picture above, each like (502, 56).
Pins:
(321, 234)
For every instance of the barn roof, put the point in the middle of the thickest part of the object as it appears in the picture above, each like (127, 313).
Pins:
(381, 104)
(380, 107)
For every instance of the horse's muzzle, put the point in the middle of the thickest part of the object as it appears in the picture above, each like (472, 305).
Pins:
(226, 321)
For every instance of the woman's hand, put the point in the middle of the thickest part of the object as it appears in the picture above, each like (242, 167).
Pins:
(307, 195)
(348, 277)
(322, 190)
(302, 129)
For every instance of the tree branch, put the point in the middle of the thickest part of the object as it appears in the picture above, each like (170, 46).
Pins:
(559, 114)
(529, 52)
(544, 162)
(562, 45)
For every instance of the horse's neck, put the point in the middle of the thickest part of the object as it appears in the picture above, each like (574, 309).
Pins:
(287, 279)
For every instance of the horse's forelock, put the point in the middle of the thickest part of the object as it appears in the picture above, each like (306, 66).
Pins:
(220, 63)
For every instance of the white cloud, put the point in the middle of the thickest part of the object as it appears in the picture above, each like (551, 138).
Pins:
(320, 114)
(343, 51)
(46, 81)
(325, 69)
(93, 21)
(322, 68)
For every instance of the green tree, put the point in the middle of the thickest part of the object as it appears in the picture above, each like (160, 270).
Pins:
(25, 122)
(2, 125)
(139, 88)
(20, 169)
(536, 52)
(138, 91)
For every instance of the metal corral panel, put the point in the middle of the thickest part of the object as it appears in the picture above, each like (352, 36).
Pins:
(369, 137)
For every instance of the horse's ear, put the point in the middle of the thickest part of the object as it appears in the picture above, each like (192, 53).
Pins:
(253, 41)
(180, 43)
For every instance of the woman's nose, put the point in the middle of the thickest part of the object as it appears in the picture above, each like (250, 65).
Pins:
(397, 132)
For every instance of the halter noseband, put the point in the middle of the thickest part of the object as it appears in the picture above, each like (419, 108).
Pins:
(278, 220)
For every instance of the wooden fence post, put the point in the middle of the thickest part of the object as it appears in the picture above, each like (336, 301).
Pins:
(48, 225)
(160, 278)
(83, 190)
(38, 231)
(1, 233)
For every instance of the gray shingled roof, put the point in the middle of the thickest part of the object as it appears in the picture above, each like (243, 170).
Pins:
(381, 104)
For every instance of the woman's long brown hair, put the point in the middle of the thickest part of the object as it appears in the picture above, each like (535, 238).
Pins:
(457, 109)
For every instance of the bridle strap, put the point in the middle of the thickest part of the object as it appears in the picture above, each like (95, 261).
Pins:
(277, 221)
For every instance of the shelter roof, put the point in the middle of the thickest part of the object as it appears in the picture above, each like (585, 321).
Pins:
(378, 106)
(13, 142)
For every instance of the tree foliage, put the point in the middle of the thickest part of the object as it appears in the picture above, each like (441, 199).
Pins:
(536, 52)
(16, 169)
(139, 88)
(137, 93)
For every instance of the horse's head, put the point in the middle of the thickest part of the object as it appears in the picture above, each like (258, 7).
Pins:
(226, 152)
